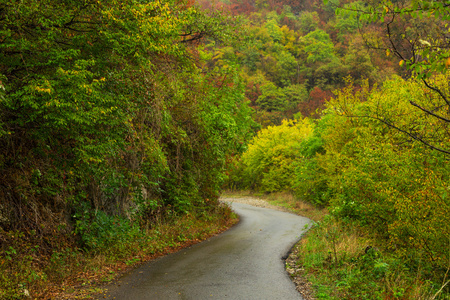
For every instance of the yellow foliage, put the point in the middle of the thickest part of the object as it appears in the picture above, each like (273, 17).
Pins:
(380, 175)
(271, 155)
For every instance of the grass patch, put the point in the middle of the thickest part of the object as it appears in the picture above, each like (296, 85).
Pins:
(72, 273)
(343, 262)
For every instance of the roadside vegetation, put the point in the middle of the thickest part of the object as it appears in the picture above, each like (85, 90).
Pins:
(71, 272)
(339, 259)
(379, 187)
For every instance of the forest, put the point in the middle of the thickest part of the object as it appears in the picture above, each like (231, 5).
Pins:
(119, 117)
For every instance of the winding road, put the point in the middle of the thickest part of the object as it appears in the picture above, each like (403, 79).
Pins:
(245, 262)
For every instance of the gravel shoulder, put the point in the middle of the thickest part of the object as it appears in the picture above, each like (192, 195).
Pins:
(295, 271)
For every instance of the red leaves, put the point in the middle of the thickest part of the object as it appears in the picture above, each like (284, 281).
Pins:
(315, 103)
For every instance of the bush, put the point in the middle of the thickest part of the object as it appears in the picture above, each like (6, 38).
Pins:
(98, 231)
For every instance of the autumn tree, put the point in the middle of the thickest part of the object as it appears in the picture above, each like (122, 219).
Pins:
(271, 155)
(395, 188)
(415, 32)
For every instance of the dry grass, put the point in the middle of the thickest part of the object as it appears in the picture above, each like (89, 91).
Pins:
(335, 257)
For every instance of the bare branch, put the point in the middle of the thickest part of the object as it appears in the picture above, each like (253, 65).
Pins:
(396, 52)
(429, 112)
(413, 136)
(437, 91)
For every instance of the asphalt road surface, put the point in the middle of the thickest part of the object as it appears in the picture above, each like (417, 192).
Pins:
(245, 262)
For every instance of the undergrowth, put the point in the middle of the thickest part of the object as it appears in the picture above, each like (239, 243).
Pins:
(68, 272)
(343, 262)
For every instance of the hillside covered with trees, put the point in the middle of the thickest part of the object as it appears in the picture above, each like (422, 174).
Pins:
(118, 118)
(294, 55)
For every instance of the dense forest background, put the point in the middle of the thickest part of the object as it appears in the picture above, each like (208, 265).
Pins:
(294, 55)
(117, 114)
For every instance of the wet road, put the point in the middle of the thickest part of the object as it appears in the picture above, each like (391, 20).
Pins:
(245, 262)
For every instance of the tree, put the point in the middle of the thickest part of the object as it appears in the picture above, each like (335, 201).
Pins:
(416, 33)
(287, 69)
(309, 21)
(395, 188)
(274, 30)
(269, 160)
(272, 98)
(318, 46)
(347, 21)
(104, 107)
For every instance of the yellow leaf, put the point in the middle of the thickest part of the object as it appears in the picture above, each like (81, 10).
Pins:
(401, 62)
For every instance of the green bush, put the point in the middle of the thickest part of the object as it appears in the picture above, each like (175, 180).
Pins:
(269, 162)
(98, 231)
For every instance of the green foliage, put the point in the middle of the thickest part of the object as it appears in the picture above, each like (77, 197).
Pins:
(412, 34)
(342, 264)
(98, 231)
(369, 174)
(370, 158)
(110, 115)
(318, 46)
(359, 62)
(274, 30)
(288, 68)
(309, 21)
(313, 48)
(427, 51)
(18, 279)
(347, 19)
(310, 181)
(295, 94)
(272, 98)
(271, 154)
(375, 175)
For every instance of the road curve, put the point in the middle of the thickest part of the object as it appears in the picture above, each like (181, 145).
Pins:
(245, 262)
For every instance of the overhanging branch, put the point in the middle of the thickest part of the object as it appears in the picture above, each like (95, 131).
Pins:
(413, 136)
(437, 91)
(429, 112)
